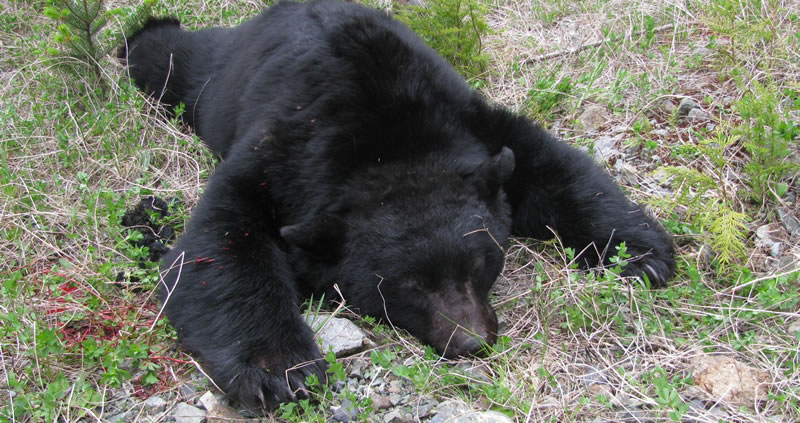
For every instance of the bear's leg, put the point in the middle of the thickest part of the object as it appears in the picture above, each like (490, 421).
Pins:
(231, 295)
(555, 187)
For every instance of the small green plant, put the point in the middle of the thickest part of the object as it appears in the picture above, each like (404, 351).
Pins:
(768, 135)
(709, 204)
(666, 395)
(82, 32)
(454, 28)
(546, 97)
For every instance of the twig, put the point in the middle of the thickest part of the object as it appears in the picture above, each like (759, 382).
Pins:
(582, 47)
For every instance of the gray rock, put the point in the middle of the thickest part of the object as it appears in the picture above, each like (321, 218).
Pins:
(706, 255)
(458, 412)
(380, 402)
(667, 106)
(592, 118)
(346, 412)
(686, 105)
(762, 236)
(697, 405)
(397, 398)
(185, 413)
(660, 132)
(787, 263)
(187, 391)
(424, 410)
(604, 148)
(124, 417)
(638, 416)
(794, 328)
(703, 52)
(340, 335)
(216, 409)
(790, 222)
(626, 174)
(698, 114)
(356, 369)
(155, 404)
(591, 375)
(775, 249)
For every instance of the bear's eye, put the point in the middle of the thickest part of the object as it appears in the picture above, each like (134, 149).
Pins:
(485, 270)
(412, 284)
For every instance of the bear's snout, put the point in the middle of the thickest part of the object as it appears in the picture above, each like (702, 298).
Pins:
(462, 322)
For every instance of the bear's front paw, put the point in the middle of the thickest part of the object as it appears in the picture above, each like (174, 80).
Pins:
(270, 381)
(657, 266)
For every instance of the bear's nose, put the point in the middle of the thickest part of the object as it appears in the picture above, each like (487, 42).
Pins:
(467, 342)
(461, 321)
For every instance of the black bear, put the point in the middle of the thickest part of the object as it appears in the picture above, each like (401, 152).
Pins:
(355, 155)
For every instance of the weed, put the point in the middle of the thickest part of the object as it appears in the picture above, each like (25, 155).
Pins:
(768, 136)
(546, 97)
(667, 393)
(82, 31)
(454, 28)
(723, 227)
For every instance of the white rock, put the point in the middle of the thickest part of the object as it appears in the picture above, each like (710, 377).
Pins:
(185, 413)
(341, 335)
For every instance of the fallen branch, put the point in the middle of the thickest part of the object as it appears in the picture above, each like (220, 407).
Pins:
(588, 45)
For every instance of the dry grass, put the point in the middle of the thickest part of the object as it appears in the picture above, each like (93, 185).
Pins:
(581, 348)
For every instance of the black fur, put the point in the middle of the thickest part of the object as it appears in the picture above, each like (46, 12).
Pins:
(355, 155)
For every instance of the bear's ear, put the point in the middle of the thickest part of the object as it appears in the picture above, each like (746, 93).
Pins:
(496, 171)
(320, 235)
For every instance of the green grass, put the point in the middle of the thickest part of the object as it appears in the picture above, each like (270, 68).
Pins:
(80, 326)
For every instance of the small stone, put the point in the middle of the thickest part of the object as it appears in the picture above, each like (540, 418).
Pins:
(337, 334)
(786, 263)
(705, 255)
(604, 148)
(356, 369)
(790, 222)
(593, 118)
(395, 386)
(397, 398)
(187, 391)
(762, 237)
(626, 174)
(724, 379)
(345, 413)
(155, 404)
(638, 416)
(794, 329)
(660, 132)
(703, 52)
(185, 413)
(124, 417)
(458, 412)
(668, 107)
(775, 249)
(394, 416)
(698, 114)
(380, 402)
(598, 389)
(686, 105)
(697, 405)
(217, 411)
(208, 400)
(590, 375)
(424, 410)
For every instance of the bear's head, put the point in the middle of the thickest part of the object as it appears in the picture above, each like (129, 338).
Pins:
(418, 245)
